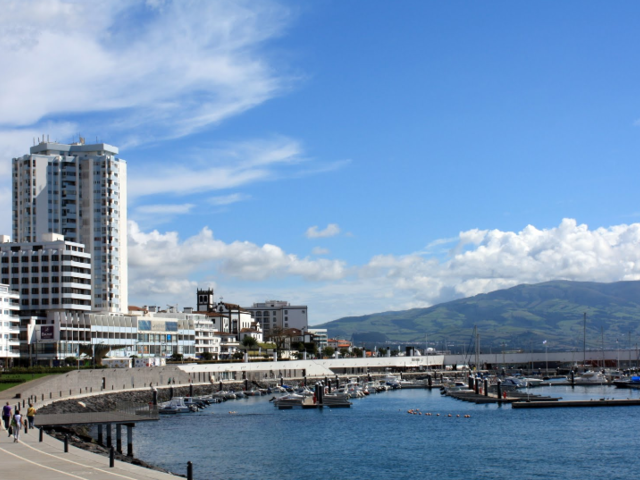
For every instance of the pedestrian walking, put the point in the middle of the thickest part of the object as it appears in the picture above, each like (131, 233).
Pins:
(16, 425)
(6, 415)
(31, 415)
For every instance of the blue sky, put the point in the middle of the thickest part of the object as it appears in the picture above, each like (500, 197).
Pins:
(354, 156)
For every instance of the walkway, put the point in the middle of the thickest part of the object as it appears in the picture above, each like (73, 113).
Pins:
(31, 460)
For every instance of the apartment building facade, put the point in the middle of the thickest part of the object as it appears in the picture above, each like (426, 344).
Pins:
(278, 315)
(9, 325)
(78, 191)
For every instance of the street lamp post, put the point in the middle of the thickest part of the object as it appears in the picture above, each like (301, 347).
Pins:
(546, 357)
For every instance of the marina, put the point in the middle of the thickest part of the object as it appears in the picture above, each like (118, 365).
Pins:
(375, 435)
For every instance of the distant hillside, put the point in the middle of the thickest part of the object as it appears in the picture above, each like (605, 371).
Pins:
(520, 317)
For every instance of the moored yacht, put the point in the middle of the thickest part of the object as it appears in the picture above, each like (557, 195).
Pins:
(591, 377)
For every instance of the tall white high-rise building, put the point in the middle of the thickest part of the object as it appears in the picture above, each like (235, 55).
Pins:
(80, 192)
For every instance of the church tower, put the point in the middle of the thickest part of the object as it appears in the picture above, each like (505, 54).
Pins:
(205, 300)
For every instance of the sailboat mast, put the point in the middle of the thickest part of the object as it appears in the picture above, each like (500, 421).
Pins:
(602, 333)
(477, 348)
(584, 340)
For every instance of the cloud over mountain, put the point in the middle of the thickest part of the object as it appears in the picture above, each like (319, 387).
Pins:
(481, 261)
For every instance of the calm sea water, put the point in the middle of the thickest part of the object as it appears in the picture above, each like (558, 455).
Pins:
(377, 439)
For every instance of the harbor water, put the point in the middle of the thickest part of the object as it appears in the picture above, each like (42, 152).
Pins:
(377, 438)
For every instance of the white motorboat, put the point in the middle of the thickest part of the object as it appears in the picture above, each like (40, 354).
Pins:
(392, 380)
(510, 383)
(533, 382)
(592, 377)
(288, 401)
(173, 406)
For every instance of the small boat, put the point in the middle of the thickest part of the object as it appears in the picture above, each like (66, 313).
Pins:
(194, 404)
(592, 377)
(457, 386)
(335, 400)
(510, 383)
(629, 382)
(289, 401)
(533, 382)
(392, 381)
(173, 406)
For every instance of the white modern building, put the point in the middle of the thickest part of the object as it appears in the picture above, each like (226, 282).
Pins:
(49, 274)
(78, 191)
(319, 337)
(70, 334)
(278, 314)
(9, 325)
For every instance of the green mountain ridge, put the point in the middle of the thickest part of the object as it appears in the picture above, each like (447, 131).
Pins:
(520, 317)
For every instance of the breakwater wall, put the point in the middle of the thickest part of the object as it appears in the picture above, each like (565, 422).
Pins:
(235, 376)
(92, 382)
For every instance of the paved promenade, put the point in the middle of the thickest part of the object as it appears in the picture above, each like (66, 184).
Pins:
(31, 460)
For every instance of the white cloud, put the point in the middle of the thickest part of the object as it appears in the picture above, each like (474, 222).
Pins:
(499, 260)
(158, 255)
(165, 209)
(223, 167)
(320, 251)
(166, 70)
(331, 231)
(229, 199)
(491, 260)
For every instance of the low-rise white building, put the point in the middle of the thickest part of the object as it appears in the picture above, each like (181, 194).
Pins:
(71, 334)
(319, 337)
(50, 274)
(9, 325)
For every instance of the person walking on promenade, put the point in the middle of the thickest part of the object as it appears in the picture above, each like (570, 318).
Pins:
(16, 425)
(31, 415)
(6, 415)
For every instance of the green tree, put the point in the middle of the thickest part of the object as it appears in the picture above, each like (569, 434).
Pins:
(207, 356)
(344, 352)
(71, 360)
(249, 342)
(328, 351)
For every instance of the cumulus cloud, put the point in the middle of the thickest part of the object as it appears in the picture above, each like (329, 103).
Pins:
(164, 255)
(486, 260)
(331, 231)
